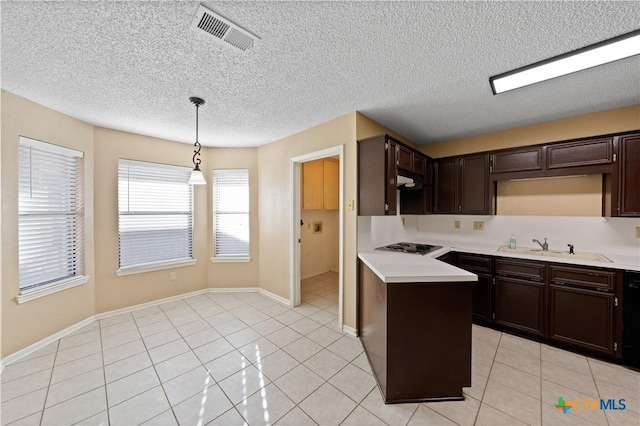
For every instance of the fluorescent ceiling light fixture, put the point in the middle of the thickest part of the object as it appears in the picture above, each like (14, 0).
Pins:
(604, 52)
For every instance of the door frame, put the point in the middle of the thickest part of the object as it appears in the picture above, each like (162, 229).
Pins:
(296, 205)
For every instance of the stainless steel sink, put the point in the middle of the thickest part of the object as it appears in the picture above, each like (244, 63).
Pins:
(595, 257)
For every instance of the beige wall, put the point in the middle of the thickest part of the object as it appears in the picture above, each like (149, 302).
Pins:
(275, 205)
(112, 291)
(598, 123)
(227, 275)
(32, 321)
(567, 196)
(366, 127)
(319, 252)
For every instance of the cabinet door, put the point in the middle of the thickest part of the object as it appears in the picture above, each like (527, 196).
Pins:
(520, 305)
(474, 184)
(520, 160)
(482, 309)
(629, 182)
(582, 318)
(446, 182)
(331, 183)
(405, 158)
(391, 190)
(312, 183)
(583, 153)
(420, 165)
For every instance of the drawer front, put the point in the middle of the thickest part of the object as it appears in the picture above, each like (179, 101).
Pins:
(474, 263)
(517, 161)
(521, 269)
(583, 277)
(586, 153)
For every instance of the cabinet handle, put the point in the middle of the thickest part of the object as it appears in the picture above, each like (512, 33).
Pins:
(615, 301)
(615, 157)
(386, 207)
(615, 346)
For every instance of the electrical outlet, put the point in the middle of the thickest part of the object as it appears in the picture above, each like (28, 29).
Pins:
(478, 226)
(172, 276)
(456, 224)
(637, 231)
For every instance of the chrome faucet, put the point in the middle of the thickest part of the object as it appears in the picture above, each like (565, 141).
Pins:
(545, 246)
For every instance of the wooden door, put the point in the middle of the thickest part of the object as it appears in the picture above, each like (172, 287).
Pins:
(520, 305)
(312, 184)
(582, 318)
(331, 184)
(629, 182)
(474, 184)
(446, 182)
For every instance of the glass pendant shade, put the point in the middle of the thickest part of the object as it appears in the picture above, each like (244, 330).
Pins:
(197, 178)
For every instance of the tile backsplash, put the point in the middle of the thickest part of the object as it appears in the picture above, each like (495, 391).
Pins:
(588, 234)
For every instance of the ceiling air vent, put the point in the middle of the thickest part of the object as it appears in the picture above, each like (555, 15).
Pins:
(222, 29)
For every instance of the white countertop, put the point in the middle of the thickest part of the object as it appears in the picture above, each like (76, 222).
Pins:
(617, 261)
(393, 267)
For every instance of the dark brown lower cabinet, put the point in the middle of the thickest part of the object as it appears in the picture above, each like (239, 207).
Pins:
(482, 309)
(520, 305)
(417, 337)
(582, 318)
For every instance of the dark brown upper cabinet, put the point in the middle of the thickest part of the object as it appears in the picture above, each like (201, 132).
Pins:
(629, 177)
(462, 185)
(380, 160)
(581, 156)
(583, 153)
(517, 160)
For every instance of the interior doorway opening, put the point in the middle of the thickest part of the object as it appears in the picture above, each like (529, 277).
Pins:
(317, 231)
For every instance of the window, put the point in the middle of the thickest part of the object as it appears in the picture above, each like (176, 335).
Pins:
(231, 215)
(50, 216)
(155, 216)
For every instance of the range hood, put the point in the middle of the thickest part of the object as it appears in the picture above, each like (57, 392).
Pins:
(408, 183)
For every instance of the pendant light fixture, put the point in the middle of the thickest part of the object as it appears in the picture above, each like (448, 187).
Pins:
(197, 178)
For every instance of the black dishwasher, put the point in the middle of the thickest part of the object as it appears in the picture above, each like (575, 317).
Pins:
(631, 319)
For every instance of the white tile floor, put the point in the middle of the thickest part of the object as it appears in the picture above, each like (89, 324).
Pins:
(241, 358)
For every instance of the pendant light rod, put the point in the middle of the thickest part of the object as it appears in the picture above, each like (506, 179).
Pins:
(196, 156)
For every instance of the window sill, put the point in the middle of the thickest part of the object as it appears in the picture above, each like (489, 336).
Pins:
(51, 288)
(231, 259)
(158, 266)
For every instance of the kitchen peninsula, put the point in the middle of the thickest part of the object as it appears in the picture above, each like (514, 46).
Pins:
(414, 316)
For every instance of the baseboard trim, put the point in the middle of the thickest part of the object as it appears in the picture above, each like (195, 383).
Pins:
(234, 290)
(62, 333)
(149, 304)
(275, 297)
(44, 342)
(350, 330)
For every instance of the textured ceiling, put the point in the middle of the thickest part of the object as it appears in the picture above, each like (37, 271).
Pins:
(419, 68)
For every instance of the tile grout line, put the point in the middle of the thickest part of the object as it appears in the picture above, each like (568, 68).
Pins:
(44, 403)
(488, 378)
(541, 406)
(155, 371)
(597, 388)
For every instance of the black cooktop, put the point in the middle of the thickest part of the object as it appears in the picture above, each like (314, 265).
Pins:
(414, 248)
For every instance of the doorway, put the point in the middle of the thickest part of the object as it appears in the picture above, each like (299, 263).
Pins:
(313, 228)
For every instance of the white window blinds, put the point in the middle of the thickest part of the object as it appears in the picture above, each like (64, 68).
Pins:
(155, 213)
(231, 212)
(51, 213)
